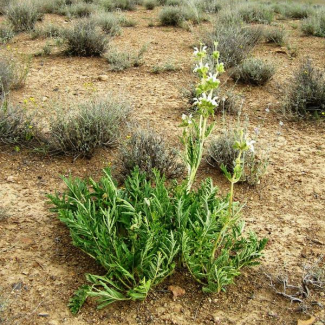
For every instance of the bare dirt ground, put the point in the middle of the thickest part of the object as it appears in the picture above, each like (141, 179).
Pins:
(39, 267)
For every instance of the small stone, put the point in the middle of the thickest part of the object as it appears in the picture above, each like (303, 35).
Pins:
(10, 179)
(103, 77)
(43, 314)
(44, 99)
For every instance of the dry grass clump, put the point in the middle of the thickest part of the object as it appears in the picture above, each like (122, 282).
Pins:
(256, 13)
(171, 16)
(6, 33)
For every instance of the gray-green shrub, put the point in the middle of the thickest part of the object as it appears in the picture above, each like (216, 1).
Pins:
(16, 127)
(12, 74)
(120, 61)
(306, 96)
(148, 150)
(275, 35)
(6, 33)
(221, 152)
(85, 39)
(150, 4)
(253, 71)
(109, 23)
(314, 24)
(256, 13)
(171, 16)
(23, 15)
(235, 41)
(91, 124)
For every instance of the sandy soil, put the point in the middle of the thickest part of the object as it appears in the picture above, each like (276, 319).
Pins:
(40, 268)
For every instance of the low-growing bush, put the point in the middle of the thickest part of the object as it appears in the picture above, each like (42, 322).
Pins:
(16, 127)
(126, 22)
(165, 67)
(108, 22)
(79, 10)
(85, 39)
(221, 152)
(48, 30)
(235, 41)
(92, 124)
(229, 102)
(3, 6)
(120, 61)
(307, 93)
(210, 6)
(12, 74)
(23, 15)
(148, 151)
(53, 6)
(256, 13)
(171, 16)
(253, 71)
(297, 11)
(125, 5)
(314, 25)
(275, 35)
(6, 33)
(150, 4)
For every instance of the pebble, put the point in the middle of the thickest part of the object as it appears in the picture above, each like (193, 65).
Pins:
(103, 77)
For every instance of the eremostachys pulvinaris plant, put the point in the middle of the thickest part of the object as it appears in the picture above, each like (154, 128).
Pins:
(128, 231)
(139, 232)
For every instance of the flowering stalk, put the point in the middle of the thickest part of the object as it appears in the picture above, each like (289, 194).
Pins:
(196, 132)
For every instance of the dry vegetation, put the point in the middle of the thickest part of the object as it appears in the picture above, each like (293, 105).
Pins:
(86, 85)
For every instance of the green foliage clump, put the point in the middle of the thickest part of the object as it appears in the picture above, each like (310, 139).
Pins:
(138, 232)
(109, 23)
(84, 39)
(314, 24)
(171, 16)
(253, 71)
(307, 94)
(96, 123)
(148, 151)
(23, 15)
(275, 35)
(16, 127)
(256, 13)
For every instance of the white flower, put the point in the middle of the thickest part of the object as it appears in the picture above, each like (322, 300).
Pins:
(205, 98)
(267, 110)
(196, 51)
(204, 48)
(281, 123)
(250, 145)
(184, 117)
(212, 77)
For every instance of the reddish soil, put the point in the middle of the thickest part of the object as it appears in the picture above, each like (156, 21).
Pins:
(40, 269)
